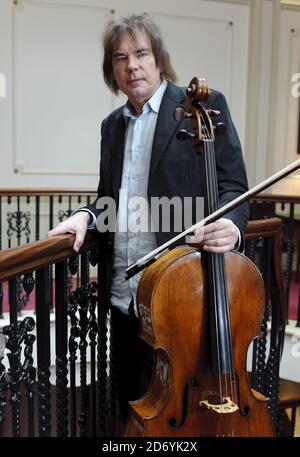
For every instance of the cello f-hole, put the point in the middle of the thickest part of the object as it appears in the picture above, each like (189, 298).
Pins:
(246, 411)
(193, 383)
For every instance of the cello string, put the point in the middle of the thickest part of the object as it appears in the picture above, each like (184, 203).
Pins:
(227, 383)
(208, 153)
(228, 378)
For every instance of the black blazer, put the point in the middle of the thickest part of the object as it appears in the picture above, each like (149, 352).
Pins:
(175, 168)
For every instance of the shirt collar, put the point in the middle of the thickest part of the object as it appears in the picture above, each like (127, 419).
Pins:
(153, 103)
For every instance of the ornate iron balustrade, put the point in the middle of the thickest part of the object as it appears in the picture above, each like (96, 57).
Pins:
(263, 247)
(28, 397)
(286, 207)
(27, 214)
(37, 400)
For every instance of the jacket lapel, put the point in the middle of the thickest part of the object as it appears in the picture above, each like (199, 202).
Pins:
(166, 125)
(117, 135)
(165, 128)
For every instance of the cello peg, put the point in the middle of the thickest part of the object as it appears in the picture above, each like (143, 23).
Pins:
(180, 114)
(213, 112)
(219, 128)
(184, 135)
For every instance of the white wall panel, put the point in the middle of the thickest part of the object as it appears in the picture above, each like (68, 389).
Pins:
(59, 96)
(291, 133)
(206, 47)
(261, 171)
(287, 106)
(6, 167)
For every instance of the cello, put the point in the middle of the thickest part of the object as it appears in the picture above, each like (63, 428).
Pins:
(200, 315)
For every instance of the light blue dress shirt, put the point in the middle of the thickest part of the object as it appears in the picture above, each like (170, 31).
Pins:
(130, 245)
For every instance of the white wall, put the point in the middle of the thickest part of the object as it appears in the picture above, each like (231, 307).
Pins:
(287, 106)
(56, 98)
(50, 56)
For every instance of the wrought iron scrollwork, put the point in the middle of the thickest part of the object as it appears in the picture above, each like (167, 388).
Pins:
(93, 257)
(73, 264)
(83, 301)
(1, 300)
(102, 377)
(25, 284)
(254, 248)
(18, 337)
(18, 223)
(28, 283)
(63, 214)
(4, 378)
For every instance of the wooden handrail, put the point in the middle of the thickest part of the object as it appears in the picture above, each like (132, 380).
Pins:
(36, 192)
(263, 196)
(263, 228)
(39, 254)
(278, 198)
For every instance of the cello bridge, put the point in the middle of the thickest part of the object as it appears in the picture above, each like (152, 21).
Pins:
(226, 407)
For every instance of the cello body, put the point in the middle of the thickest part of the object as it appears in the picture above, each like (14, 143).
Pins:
(174, 322)
(200, 312)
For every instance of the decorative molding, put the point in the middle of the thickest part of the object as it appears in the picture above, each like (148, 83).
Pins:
(273, 88)
(285, 4)
(194, 17)
(2, 86)
(230, 88)
(237, 2)
(253, 88)
(290, 4)
(291, 130)
(70, 3)
(20, 167)
(228, 25)
(290, 8)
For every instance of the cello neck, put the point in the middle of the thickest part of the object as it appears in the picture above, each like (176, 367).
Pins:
(219, 324)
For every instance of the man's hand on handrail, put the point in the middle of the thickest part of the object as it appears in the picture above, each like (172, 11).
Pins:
(76, 224)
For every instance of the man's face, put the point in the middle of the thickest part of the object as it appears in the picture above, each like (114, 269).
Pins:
(135, 70)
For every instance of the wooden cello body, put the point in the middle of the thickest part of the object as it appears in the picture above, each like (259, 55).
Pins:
(200, 312)
(174, 321)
